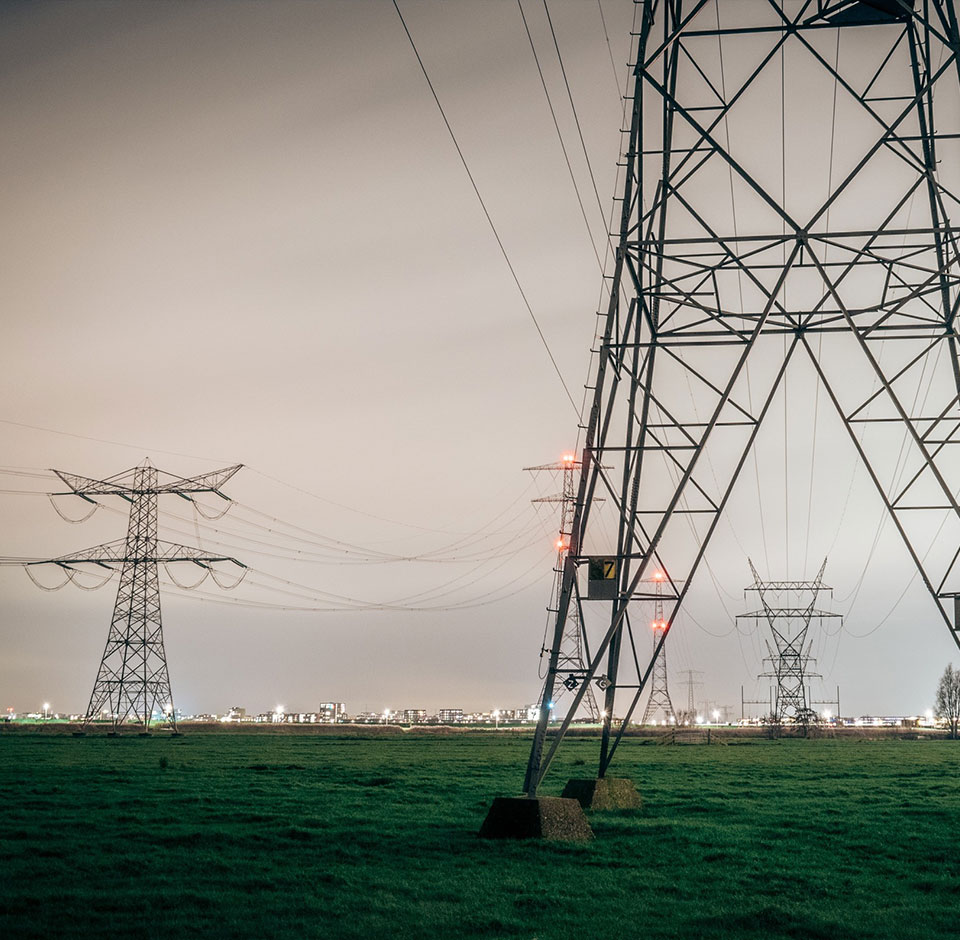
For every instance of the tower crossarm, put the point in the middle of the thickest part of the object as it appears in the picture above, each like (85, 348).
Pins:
(801, 613)
(124, 484)
(205, 483)
(795, 586)
(111, 554)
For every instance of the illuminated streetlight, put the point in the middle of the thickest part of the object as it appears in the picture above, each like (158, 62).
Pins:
(496, 718)
(46, 708)
(716, 715)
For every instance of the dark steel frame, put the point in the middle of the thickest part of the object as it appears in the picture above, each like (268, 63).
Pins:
(643, 447)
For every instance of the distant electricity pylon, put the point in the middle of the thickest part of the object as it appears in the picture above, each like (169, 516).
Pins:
(788, 608)
(570, 662)
(745, 243)
(691, 683)
(659, 701)
(133, 681)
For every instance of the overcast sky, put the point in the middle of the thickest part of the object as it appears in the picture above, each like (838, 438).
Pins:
(240, 233)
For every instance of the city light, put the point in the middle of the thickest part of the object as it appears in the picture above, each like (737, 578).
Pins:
(827, 714)
(46, 708)
(716, 715)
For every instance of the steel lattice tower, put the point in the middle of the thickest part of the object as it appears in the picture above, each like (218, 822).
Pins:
(133, 681)
(659, 700)
(733, 260)
(789, 623)
(571, 664)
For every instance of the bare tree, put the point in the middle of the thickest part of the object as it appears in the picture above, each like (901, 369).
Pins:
(948, 698)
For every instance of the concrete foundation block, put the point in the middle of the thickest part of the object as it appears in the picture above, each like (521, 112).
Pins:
(604, 793)
(544, 817)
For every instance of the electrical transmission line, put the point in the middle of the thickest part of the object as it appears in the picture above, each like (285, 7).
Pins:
(723, 300)
(571, 662)
(691, 683)
(659, 700)
(789, 618)
(133, 682)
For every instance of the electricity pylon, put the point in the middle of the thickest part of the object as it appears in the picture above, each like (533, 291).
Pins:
(659, 700)
(570, 662)
(691, 683)
(734, 260)
(133, 681)
(789, 621)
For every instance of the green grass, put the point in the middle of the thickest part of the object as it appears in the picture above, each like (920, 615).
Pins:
(264, 835)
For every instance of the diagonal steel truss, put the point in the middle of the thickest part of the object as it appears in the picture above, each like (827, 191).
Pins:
(731, 275)
(133, 682)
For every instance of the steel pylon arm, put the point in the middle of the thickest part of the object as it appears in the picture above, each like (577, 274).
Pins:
(112, 554)
(798, 612)
(126, 486)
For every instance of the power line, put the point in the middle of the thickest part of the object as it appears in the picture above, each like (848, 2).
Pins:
(102, 440)
(563, 147)
(573, 108)
(486, 213)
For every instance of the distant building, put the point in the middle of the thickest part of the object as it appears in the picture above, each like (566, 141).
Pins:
(414, 716)
(236, 713)
(450, 716)
(331, 713)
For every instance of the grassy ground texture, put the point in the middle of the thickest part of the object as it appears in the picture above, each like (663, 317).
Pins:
(262, 835)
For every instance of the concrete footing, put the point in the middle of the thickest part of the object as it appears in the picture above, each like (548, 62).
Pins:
(604, 793)
(544, 817)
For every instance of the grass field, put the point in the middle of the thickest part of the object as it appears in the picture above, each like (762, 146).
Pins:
(304, 835)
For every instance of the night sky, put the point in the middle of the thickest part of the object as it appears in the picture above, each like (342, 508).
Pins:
(240, 233)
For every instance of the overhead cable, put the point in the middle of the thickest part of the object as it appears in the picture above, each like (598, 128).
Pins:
(486, 213)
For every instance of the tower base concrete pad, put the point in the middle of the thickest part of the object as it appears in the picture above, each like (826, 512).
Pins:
(544, 817)
(604, 793)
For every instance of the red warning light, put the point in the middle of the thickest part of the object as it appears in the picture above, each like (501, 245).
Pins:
(568, 458)
(562, 544)
(658, 576)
